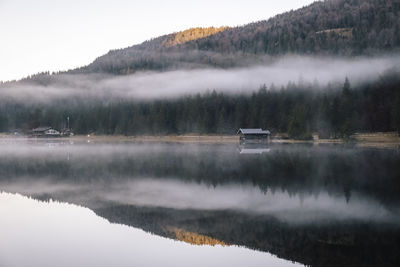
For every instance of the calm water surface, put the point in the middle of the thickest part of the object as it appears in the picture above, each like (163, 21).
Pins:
(157, 204)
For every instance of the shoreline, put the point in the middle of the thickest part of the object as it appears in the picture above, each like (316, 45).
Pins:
(382, 140)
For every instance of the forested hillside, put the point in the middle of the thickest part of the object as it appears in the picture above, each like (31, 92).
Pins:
(331, 27)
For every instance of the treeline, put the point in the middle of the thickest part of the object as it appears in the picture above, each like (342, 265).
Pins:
(297, 109)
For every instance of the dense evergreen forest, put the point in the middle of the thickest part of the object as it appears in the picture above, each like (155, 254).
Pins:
(297, 109)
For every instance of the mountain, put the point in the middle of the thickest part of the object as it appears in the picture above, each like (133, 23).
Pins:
(190, 35)
(331, 27)
(181, 103)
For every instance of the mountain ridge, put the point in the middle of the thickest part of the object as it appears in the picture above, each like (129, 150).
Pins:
(345, 28)
(330, 27)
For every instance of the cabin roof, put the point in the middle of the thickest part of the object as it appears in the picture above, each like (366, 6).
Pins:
(253, 131)
(42, 129)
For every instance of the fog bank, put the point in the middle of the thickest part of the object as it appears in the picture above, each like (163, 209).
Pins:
(306, 71)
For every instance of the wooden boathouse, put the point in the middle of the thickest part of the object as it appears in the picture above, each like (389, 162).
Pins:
(253, 135)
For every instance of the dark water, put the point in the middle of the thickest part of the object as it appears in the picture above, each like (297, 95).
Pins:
(87, 204)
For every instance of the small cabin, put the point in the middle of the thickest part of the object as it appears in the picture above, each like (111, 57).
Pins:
(254, 135)
(45, 132)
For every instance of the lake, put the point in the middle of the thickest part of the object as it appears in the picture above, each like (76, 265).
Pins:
(70, 203)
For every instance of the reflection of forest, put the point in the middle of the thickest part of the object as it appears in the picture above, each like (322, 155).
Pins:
(333, 244)
(85, 174)
(295, 169)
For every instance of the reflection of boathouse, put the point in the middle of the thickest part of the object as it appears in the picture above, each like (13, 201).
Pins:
(253, 135)
(254, 148)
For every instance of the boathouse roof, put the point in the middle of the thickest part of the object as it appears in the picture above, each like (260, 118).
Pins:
(253, 131)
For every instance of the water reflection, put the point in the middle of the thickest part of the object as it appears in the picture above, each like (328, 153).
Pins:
(318, 205)
(254, 148)
(38, 233)
(301, 208)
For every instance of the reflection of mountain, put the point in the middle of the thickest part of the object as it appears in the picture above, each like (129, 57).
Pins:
(191, 238)
(333, 244)
(318, 205)
(46, 234)
(316, 231)
(328, 242)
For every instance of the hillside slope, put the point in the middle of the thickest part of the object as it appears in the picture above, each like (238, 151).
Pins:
(331, 27)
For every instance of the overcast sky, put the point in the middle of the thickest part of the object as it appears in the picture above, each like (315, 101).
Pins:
(56, 35)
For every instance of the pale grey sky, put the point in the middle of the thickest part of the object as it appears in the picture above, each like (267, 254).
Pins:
(52, 35)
